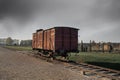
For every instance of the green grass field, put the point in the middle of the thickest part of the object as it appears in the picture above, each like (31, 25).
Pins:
(108, 60)
(19, 48)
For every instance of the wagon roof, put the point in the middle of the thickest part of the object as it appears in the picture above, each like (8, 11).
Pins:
(62, 27)
(39, 30)
(56, 27)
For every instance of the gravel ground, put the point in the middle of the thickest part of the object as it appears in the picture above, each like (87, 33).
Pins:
(17, 66)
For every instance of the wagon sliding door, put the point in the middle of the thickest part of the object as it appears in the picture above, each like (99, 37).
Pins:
(62, 38)
(40, 40)
(49, 39)
(66, 39)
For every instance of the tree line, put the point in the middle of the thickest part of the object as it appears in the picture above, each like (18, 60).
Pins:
(15, 42)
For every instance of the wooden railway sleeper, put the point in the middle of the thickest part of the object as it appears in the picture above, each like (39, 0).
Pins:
(85, 71)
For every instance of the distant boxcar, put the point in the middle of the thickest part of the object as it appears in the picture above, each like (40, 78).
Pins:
(56, 39)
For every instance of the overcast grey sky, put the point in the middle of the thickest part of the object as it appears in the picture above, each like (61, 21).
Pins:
(97, 20)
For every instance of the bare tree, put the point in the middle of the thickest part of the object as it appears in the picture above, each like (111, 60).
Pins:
(9, 41)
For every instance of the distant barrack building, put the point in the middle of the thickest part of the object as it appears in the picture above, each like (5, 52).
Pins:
(99, 47)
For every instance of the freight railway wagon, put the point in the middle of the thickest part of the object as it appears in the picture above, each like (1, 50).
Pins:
(56, 40)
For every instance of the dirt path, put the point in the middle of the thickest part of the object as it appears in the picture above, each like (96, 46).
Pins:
(17, 66)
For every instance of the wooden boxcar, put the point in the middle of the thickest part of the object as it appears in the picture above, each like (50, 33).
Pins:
(56, 39)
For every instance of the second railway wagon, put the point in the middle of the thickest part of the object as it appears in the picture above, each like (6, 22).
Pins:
(60, 40)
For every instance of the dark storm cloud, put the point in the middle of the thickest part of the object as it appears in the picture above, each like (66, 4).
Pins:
(106, 10)
(78, 11)
(83, 13)
(20, 10)
(111, 35)
(96, 17)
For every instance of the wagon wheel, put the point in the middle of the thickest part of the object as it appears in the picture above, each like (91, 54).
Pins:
(68, 56)
(51, 55)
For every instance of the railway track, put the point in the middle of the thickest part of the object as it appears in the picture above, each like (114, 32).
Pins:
(91, 70)
(86, 69)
